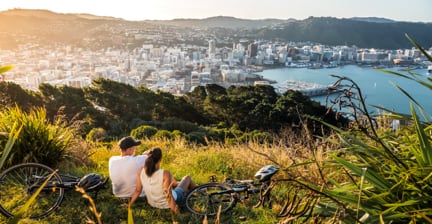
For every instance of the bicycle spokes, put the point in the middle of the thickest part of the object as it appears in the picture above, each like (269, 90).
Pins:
(206, 199)
(20, 182)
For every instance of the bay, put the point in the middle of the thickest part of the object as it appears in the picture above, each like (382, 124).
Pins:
(375, 85)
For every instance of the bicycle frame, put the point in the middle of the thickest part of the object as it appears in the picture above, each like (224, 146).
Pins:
(50, 185)
(18, 183)
(213, 197)
(242, 189)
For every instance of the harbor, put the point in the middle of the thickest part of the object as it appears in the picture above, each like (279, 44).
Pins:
(307, 88)
(377, 87)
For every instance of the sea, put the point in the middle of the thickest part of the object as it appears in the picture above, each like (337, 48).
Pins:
(377, 86)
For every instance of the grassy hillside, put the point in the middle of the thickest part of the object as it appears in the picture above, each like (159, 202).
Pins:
(240, 162)
(307, 160)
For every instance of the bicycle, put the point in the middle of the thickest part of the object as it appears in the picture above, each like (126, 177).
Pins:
(18, 183)
(213, 197)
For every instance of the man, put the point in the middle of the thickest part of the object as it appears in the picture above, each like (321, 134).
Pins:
(123, 169)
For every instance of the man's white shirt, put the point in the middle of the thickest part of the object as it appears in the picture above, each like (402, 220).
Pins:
(123, 171)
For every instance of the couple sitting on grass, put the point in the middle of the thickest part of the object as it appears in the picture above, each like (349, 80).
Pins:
(135, 176)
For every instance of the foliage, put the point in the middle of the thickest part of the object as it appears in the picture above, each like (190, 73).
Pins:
(97, 135)
(196, 137)
(387, 173)
(71, 105)
(144, 131)
(119, 108)
(12, 94)
(164, 134)
(176, 124)
(92, 207)
(39, 141)
(11, 136)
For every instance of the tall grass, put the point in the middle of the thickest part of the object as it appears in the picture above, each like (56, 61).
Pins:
(240, 161)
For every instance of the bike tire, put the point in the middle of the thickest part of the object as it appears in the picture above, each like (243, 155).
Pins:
(19, 182)
(207, 198)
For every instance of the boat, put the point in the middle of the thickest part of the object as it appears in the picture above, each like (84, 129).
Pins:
(429, 69)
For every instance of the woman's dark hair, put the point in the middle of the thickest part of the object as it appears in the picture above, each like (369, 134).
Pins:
(154, 156)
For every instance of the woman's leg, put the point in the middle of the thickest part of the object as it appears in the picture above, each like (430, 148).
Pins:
(186, 184)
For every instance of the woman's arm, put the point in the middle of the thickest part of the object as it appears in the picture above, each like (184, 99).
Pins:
(168, 184)
(138, 189)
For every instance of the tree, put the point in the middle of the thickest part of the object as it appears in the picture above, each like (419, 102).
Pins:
(12, 94)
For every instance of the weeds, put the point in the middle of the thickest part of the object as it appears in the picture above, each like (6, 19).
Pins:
(92, 208)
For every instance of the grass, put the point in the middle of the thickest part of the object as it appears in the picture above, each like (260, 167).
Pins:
(181, 158)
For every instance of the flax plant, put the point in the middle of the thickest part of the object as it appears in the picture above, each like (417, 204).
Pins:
(13, 134)
(389, 174)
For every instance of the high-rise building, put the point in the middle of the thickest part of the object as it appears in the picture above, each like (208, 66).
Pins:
(252, 50)
(212, 47)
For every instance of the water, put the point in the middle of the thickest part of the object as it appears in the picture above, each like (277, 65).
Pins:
(375, 85)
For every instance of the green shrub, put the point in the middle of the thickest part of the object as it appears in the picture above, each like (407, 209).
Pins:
(196, 137)
(164, 134)
(183, 126)
(97, 135)
(177, 133)
(216, 134)
(144, 131)
(39, 141)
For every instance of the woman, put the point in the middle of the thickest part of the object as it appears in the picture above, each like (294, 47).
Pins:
(160, 187)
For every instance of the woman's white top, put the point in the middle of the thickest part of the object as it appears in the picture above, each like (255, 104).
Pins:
(153, 189)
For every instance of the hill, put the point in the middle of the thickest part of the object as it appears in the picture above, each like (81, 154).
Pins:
(222, 22)
(365, 34)
(20, 26)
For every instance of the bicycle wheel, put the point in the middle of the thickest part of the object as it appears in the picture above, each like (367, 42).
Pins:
(19, 182)
(207, 198)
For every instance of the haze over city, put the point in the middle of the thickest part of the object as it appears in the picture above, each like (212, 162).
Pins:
(410, 11)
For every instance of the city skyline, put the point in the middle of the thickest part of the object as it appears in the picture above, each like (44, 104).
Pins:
(410, 11)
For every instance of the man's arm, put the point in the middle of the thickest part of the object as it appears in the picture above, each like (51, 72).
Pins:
(138, 190)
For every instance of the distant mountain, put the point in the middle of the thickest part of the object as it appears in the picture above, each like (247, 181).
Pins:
(42, 13)
(50, 27)
(221, 21)
(333, 31)
(373, 19)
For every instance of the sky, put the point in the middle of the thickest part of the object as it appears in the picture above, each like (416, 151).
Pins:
(399, 10)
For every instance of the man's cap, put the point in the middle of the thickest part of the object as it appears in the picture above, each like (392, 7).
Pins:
(128, 142)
